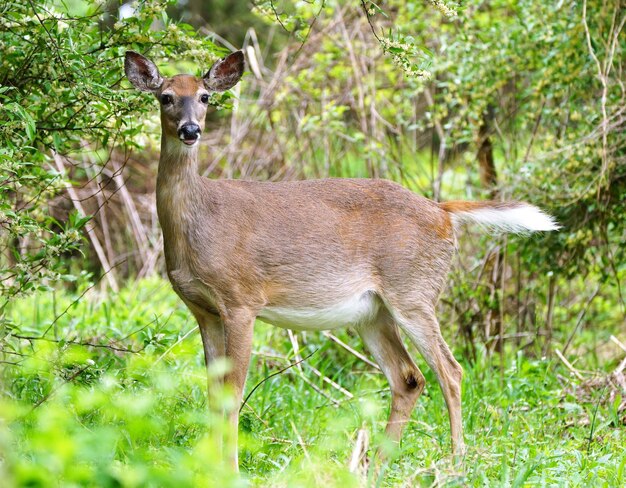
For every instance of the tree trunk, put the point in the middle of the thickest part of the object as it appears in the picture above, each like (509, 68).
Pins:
(486, 166)
(489, 181)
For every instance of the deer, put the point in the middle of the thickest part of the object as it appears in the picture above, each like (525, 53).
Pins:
(308, 255)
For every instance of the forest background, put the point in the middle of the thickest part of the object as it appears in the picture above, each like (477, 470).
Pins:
(101, 371)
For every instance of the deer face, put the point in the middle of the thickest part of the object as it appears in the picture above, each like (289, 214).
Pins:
(183, 98)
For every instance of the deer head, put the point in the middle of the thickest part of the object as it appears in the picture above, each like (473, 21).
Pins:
(184, 98)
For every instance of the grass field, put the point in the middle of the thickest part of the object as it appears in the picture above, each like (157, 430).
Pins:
(77, 415)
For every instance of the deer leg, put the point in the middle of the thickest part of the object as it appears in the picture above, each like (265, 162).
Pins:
(212, 333)
(238, 328)
(423, 329)
(405, 379)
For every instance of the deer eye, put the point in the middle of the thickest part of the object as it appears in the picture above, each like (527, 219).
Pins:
(204, 98)
(166, 99)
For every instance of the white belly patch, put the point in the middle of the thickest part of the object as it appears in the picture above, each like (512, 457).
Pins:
(350, 311)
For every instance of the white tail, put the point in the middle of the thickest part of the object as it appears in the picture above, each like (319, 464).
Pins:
(515, 217)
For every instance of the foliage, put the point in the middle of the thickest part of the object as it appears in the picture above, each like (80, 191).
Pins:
(95, 416)
(534, 74)
(60, 91)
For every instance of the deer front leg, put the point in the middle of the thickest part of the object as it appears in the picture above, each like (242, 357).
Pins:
(230, 337)
(212, 333)
(238, 332)
(213, 342)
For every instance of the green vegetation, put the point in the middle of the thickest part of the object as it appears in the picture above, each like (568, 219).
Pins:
(102, 380)
(100, 417)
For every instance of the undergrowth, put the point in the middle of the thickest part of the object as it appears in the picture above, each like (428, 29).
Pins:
(134, 412)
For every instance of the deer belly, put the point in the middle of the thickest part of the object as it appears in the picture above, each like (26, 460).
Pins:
(352, 310)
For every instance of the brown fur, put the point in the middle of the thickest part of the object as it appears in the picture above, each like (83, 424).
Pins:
(455, 206)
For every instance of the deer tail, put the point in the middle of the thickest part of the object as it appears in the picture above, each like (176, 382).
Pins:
(514, 217)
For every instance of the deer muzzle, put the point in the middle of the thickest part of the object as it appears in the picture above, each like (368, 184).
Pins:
(189, 133)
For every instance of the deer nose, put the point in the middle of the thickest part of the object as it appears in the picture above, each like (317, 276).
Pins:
(189, 133)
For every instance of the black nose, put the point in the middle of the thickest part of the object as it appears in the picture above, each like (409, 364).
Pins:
(189, 132)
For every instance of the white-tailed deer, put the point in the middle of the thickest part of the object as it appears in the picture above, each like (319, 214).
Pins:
(308, 255)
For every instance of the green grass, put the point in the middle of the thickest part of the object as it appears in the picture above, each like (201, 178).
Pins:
(81, 416)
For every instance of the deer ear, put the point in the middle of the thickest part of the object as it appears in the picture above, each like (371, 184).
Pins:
(225, 73)
(142, 73)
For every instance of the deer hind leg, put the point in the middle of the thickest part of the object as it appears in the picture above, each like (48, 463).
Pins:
(405, 379)
(421, 325)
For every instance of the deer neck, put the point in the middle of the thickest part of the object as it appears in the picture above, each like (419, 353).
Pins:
(178, 188)
(178, 166)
